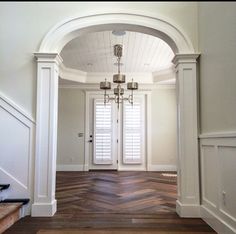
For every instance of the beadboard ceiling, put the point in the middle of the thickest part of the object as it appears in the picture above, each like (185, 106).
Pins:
(93, 52)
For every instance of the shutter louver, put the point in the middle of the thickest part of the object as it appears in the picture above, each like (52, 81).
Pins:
(102, 132)
(133, 132)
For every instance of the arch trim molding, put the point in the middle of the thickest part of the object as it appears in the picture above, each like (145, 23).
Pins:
(71, 28)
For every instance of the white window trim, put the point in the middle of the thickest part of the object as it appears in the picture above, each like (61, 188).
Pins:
(148, 132)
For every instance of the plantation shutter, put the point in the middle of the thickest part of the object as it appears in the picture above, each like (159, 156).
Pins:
(133, 139)
(103, 131)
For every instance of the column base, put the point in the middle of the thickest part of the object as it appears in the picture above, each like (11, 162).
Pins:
(188, 210)
(44, 209)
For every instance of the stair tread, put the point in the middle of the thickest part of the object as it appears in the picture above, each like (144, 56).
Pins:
(24, 201)
(4, 186)
(8, 208)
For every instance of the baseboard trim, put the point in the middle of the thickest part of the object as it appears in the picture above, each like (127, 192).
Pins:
(219, 225)
(76, 167)
(154, 167)
(44, 209)
(132, 168)
(188, 210)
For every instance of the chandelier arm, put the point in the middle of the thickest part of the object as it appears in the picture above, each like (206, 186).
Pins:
(118, 78)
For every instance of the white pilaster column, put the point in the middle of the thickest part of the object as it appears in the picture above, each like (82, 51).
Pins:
(46, 134)
(188, 202)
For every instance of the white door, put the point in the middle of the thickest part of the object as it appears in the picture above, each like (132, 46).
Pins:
(104, 136)
(117, 137)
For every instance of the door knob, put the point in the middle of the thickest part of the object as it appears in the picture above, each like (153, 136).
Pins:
(90, 141)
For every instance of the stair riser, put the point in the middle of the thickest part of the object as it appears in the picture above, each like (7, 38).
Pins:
(8, 221)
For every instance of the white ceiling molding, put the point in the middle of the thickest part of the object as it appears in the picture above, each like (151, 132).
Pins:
(164, 75)
(95, 77)
(138, 77)
(167, 82)
(72, 74)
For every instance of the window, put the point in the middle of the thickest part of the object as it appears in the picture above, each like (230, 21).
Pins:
(133, 129)
(103, 132)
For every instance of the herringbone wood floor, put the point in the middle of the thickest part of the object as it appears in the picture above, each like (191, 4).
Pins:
(116, 192)
(114, 201)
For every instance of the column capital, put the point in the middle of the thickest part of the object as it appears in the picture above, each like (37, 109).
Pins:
(185, 58)
(48, 58)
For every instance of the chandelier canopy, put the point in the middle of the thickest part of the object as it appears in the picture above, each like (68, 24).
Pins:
(119, 79)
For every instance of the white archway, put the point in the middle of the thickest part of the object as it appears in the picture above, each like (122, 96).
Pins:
(48, 61)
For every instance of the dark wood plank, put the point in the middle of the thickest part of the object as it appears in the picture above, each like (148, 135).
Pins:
(114, 201)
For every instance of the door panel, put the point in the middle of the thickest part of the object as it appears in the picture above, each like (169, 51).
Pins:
(133, 132)
(103, 153)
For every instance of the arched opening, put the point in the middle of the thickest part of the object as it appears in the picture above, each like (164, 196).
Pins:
(46, 134)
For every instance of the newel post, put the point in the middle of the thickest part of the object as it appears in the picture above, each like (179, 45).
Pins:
(188, 201)
(46, 134)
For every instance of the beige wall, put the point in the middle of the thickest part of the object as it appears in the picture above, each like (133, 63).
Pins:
(23, 26)
(71, 112)
(71, 121)
(164, 127)
(217, 40)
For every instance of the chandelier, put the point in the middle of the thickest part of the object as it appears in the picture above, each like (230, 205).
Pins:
(118, 79)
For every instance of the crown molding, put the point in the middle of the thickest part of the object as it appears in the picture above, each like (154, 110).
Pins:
(185, 58)
(72, 74)
(48, 58)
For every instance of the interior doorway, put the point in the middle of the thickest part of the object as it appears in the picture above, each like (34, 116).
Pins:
(48, 59)
(117, 136)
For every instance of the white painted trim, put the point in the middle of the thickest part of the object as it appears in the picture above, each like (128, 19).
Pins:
(157, 167)
(68, 167)
(185, 58)
(65, 31)
(72, 74)
(12, 105)
(132, 168)
(44, 209)
(187, 210)
(213, 211)
(218, 224)
(13, 178)
(148, 129)
(217, 135)
(160, 27)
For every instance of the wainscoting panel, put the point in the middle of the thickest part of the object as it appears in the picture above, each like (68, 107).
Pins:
(16, 151)
(209, 178)
(218, 179)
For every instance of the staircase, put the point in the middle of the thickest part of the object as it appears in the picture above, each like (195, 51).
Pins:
(10, 209)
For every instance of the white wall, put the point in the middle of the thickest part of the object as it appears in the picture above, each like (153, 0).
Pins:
(164, 129)
(71, 121)
(217, 37)
(23, 26)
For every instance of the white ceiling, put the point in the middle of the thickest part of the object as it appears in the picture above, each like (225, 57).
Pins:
(93, 52)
